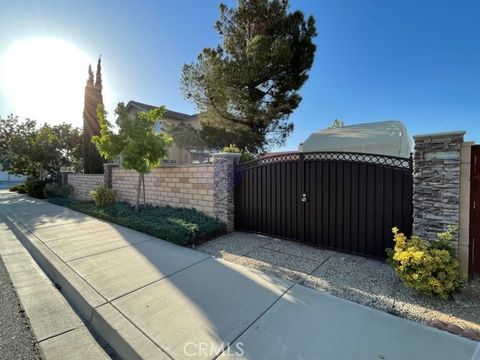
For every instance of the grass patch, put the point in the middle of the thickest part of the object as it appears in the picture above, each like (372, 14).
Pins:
(178, 225)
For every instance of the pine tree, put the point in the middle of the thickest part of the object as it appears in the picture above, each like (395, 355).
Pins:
(92, 161)
(246, 88)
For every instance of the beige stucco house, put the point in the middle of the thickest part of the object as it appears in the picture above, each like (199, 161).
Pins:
(176, 154)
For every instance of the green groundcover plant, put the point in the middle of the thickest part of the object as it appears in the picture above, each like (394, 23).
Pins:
(178, 225)
(428, 266)
(58, 190)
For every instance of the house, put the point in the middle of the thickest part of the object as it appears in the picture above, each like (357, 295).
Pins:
(176, 154)
(385, 137)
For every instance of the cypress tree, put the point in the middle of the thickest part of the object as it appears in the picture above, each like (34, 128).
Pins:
(92, 161)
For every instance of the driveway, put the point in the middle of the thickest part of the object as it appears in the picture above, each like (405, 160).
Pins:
(365, 281)
(151, 299)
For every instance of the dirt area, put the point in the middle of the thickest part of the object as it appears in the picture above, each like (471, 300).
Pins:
(365, 281)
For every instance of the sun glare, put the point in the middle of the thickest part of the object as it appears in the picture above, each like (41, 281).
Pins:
(44, 79)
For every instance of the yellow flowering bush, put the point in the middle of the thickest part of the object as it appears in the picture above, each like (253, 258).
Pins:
(428, 266)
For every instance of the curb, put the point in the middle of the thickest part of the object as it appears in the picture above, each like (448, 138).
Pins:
(95, 311)
(58, 329)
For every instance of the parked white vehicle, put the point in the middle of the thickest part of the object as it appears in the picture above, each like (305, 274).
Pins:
(385, 138)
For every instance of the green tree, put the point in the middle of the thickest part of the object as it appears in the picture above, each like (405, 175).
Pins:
(12, 129)
(28, 150)
(37, 153)
(45, 149)
(337, 123)
(136, 143)
(247, 87)
(70, 147)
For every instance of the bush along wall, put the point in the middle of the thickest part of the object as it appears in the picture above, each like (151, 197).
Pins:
(428, 266)
(35, 188)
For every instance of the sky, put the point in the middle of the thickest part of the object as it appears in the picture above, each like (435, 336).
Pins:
(409, 60)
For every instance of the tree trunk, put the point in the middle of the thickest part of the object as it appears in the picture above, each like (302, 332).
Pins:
(40, 172)
(143, 184)
(137, 200)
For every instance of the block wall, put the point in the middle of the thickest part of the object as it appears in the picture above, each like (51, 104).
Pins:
(189, 186)
(83, 184)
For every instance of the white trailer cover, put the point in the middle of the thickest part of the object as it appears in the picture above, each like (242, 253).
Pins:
(385, 137)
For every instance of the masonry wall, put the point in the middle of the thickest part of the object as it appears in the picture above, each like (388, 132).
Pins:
(436, 171)
(83, 184)
(189, 186)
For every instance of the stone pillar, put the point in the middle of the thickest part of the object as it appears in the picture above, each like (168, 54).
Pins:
(64, 177)
(436, 183)
(107, 174)
(464, 226)
(223, 187)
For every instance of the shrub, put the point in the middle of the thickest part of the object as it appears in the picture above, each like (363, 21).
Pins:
(244, 155)
(103, 196)
(428, 266)
(58, 190)
(19, 188)
(232, 148)
(35, 188)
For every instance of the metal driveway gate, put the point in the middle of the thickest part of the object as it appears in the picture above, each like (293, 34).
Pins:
(343, 201)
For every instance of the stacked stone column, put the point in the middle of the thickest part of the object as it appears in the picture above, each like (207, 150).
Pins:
(436, 183)
(223, 187)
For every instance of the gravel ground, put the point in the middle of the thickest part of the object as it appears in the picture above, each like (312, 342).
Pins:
(16, 338)
(365, 281)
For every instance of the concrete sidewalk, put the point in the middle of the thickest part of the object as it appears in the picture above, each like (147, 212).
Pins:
(58, 330)
(151, 299)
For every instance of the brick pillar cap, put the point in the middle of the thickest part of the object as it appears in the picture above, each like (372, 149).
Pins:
(227, 155)
(109, 164)
(440, 134)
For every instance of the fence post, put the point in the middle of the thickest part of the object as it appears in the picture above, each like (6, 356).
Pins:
(436, 179)
(223, 187)
(107, 174)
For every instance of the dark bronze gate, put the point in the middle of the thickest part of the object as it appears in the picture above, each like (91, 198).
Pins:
(474, 211)
(343, 201)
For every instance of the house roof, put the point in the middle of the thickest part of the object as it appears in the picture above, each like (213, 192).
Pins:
(168, 113)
